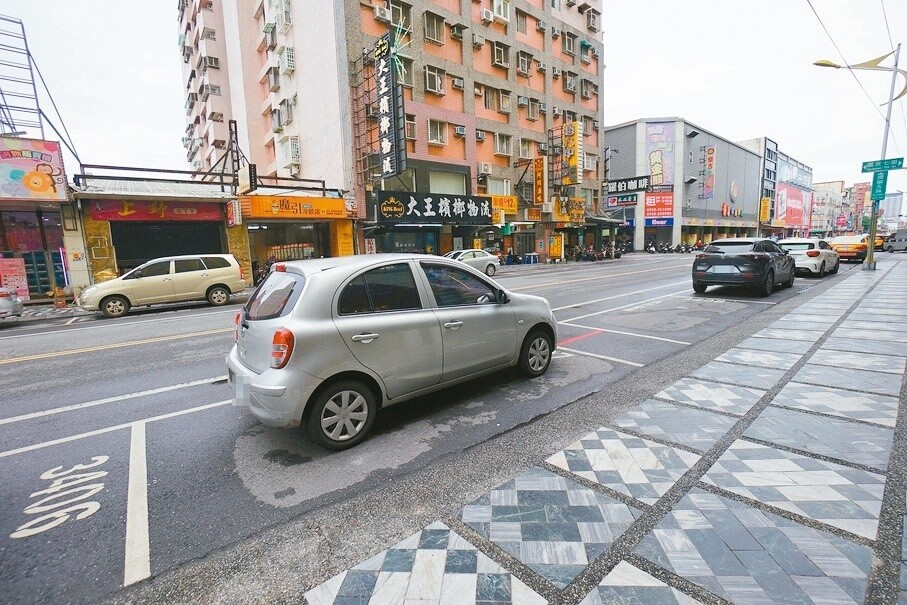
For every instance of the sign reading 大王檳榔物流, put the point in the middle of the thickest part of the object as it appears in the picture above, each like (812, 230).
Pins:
(889, 164)
(396, 207)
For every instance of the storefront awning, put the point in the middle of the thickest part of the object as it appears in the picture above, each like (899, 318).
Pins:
(114, 188)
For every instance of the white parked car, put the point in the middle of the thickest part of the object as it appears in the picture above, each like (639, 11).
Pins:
(481, 260)
(10, 303)
(812, 255)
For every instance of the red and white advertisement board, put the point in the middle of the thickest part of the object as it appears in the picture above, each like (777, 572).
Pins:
(12, 275)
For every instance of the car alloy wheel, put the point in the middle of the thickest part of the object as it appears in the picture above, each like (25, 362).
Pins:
(535, 356)
(836, 267)
(489, 270)
(218, 296)
(114, 306)
(822, 270)
(768, 285)
(342, 415)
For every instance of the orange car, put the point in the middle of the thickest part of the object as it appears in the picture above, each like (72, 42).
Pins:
(850, 247)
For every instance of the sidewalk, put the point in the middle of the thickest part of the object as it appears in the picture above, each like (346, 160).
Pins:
(773, 474)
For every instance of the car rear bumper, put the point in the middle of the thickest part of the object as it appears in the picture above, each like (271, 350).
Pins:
(275, 397)
(809, 265)
(852, 254)
(726, 279)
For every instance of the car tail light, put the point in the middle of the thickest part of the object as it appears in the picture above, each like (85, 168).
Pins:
(236, 322)
(5, 295)
(242, 273)
(280, 268)
(812, 253)
(281, 348)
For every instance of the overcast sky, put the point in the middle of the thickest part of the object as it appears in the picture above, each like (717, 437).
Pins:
(741, 69)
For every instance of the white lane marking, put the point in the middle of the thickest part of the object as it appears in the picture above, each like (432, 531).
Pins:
(737, 300)
(572, 325)
(117, 427)
(138, 550)
(598, 300)
(88, 404)
(617, 308)
(70, 322)
(119, 324)
(606, 358)
(598, 277)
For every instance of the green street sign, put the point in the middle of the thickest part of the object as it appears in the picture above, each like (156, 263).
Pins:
(889, 164)
(879, 184)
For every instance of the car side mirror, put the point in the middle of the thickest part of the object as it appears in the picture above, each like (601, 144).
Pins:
(501, 297)
(786, 251)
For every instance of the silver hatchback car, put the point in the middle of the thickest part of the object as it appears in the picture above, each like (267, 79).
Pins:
(325, 343)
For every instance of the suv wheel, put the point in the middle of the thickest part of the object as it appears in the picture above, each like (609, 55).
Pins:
(114, 306)
(342, 415)
(217, 296)
(699, 288)
(768, 285)
(790, 282)
(535, 356)
(890, 249)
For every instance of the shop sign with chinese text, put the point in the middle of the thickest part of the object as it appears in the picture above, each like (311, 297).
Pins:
(32, 169)
(573, 154)
(659, 204)
(506, 203)
(622, 201)
(636, 183)
(128, 210)
(273, 206)
(390, 110)
(538, 185)
(428, 208)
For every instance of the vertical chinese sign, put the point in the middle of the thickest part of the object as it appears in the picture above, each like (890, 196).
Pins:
(538, 185)
(708, 184)
(392, 149)
(573, 154)
(660, 152)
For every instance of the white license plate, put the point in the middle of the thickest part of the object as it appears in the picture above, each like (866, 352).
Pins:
(723, 269)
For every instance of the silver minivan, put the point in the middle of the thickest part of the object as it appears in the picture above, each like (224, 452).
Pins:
(897, 241)
(211, 277)
(326, 343)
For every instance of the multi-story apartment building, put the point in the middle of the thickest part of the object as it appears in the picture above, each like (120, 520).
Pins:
(786, 188)
(485, 88)
(832, 211)
(859, 197)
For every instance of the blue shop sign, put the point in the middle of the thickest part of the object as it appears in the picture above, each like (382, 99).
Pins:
(660, 222)
(630, 222)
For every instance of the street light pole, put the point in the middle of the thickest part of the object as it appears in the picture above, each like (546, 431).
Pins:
(870, 263)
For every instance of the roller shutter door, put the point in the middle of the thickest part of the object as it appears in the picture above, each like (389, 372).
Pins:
(137, 242)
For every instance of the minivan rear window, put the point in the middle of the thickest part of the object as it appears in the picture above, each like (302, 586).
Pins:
(274, 296)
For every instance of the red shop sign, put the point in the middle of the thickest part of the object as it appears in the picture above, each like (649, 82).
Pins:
(109, 210)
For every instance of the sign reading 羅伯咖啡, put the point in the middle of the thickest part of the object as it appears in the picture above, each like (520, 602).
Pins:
(428, 208)
(618, 186)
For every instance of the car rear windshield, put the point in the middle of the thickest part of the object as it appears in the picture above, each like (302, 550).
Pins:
(274, 296)
(799, 246)
(730, 247)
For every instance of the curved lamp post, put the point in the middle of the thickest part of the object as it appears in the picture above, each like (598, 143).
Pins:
(873, 65)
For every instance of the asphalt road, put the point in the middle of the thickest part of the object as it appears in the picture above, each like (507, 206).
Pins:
(122, 458)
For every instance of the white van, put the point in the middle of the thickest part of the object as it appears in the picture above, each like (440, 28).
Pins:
(211, 277)
(897, 241)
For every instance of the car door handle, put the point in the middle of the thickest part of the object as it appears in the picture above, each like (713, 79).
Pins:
(366, 338)
(453, 325)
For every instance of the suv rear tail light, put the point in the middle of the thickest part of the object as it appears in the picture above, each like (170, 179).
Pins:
(236, 321)
(281, 348)
(812, 253)
(242, 273)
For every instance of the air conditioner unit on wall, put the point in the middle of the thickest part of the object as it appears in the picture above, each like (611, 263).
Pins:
(382, 13)
(555, 31)
(478, 40)
(541, 66)
(480, 135)
(556, 71)
(460, 131)
(541, 26)
(556, 111)
(487, 15)
(484, 168)
(457, 83)
(547, 207)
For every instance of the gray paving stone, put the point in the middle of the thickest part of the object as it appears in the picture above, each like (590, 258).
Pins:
(857, 380)
(863, 346)
(629, 585)
(776, 344)
(765, 359)
(890, 364)
(868, 407)
(760, 378)
(697, 429)
(712, 395)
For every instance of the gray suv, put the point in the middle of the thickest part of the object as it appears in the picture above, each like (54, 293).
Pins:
(326, 343)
